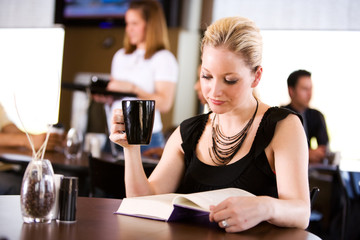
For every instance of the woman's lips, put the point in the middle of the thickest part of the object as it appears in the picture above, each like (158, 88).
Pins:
(216, 102)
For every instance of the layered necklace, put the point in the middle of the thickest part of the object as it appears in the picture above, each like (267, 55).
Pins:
(224, 148)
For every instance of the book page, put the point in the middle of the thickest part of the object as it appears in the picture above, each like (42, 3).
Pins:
(203, 200)
(160, 207)
(157, 207)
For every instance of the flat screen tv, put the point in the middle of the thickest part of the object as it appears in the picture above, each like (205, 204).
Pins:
(106, 13)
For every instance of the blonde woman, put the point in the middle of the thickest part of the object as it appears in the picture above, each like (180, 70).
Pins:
(241, 143)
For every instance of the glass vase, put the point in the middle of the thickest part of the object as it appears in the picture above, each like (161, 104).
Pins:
(73, 147)
(38, 192)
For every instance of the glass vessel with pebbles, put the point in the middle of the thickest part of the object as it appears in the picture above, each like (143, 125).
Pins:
(38, 192)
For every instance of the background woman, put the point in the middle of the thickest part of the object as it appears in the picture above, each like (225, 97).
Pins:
(242, 143)
(145, 66)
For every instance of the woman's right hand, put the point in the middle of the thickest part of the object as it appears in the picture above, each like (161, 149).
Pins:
(117, 130)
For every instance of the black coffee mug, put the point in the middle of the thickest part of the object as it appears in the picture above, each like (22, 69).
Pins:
(139, 120)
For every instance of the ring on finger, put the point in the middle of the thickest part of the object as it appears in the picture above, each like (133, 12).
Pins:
(224, 223)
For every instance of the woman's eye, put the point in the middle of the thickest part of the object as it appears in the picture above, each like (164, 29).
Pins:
(231, 81)
(206, 77)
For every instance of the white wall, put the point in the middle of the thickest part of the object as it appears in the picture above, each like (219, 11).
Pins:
(30, 62)
(332, 56)
(27, 13)
(188, 58)
(294, 14)
(30, 67)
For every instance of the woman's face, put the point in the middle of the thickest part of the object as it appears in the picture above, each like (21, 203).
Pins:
(135, 27)
(226, 80)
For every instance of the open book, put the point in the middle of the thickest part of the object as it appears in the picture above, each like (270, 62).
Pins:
(174, 207)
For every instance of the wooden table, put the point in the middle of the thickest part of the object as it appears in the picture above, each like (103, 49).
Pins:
(68, 167)
(95, 220)
(22, 156)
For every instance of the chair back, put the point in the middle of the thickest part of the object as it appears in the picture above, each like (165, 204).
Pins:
(313, 194)
(106, 178)
(351, 183)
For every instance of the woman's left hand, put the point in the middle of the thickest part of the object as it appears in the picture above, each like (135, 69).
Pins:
(236, 214)
(121, 86)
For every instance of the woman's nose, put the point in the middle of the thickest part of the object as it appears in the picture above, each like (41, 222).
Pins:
(216, 88)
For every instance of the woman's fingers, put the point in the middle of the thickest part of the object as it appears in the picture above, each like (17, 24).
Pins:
(117, 122)
(117, 129)
(118, 138)
(237, 214)
(117, 116)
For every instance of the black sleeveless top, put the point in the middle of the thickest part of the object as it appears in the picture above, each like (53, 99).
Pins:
(251, 173)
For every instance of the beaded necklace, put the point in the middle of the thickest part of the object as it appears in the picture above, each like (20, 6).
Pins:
(223, 147)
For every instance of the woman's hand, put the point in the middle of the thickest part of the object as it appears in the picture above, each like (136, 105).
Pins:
(236, 214)
(317, 155)
(117, 130)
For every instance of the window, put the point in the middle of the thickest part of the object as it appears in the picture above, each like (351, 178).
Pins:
(333, 59)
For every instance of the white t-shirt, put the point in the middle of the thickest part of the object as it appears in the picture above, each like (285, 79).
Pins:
(162, 66)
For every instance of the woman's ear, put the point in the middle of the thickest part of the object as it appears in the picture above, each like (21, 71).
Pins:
(258, 74)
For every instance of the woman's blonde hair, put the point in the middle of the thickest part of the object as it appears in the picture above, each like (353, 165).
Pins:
(156, 35)
(237, 34)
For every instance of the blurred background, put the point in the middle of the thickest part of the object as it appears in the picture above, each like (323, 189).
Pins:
(320, 36)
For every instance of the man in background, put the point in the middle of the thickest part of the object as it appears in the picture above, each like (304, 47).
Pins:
(300, 91)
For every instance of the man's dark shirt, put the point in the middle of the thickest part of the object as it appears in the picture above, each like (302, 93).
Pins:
(314, 125)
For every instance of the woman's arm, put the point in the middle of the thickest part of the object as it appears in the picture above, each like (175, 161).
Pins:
(291, 165)
(164, 92)
(164, 95)
(11, 136)
(14, 140)
(288, 156)
(10, 128)
(167, 174)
